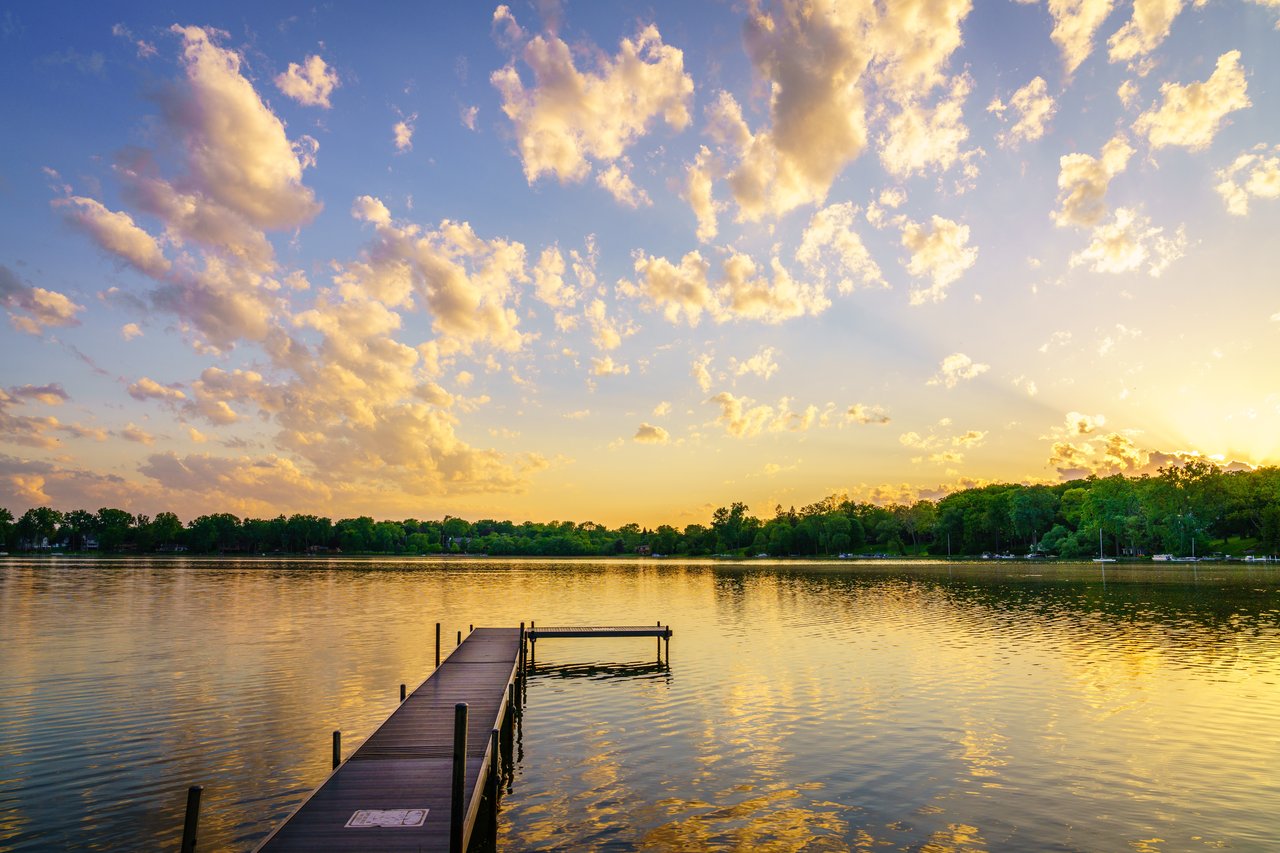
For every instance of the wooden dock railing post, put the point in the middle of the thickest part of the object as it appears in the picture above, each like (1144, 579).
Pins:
(402, 693)
(459, 638)
(192, 820)
(337, 749)
(458, 806)
(495, 766)
(437, 645)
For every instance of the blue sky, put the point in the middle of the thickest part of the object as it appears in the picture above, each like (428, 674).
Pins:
(583, 261)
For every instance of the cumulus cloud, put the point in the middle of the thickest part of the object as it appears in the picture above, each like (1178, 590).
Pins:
(1113, 453)
(402, 133)
(237, 173)
(742, 417)
(1127, 242)
(941, 253)
(39, 431)
(1190, 116)
(33, 309)
(548, 280)
(956, 367)
(920, 138)
(1034, 108)
(149, 389)
(1127, 92)
(234, 146)
(1078, 423)
(1145, 31)
(115, 232)
(813, 58)
(570, 117)
(941, 445)
(1083, 182)
(1254, 173)
(466, 281)
(860, 413)
(700, 370)
(741, 291)
(606, 366)
(189, 216)
(830, 248)
(650, 434)
(52, 394)
(129, 331)
(310, 83)
(1075, 22)
(133, 432)
(761, 364)
(616, 179)
(698, 192)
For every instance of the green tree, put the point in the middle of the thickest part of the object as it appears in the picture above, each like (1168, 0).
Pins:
(38, 527)
(76, 526)
(114, 528)
(1032, 510)
(166, 530)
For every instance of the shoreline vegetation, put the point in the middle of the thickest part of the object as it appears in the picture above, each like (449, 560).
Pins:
(1196, 510)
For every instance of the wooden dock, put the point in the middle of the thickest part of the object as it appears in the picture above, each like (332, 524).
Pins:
(394, 792)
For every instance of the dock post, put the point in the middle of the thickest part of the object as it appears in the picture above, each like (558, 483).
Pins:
(458, 806)
(337, 749)
(402, 693)
(192, 820)
(459, 638)
(495, 767)
(659, 639)
(522, 650)
(437, 645)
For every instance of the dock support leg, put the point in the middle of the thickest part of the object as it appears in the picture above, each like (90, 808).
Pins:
(337, 749)
(192, 820)
(458, 806)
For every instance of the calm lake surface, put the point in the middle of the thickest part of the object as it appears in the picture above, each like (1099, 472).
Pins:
(806, 706)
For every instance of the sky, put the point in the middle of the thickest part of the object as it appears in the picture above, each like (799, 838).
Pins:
(619, 262)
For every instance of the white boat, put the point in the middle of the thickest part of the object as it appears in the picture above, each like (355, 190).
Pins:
(1161, 558)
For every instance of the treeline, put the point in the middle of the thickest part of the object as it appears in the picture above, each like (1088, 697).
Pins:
(1194, 508)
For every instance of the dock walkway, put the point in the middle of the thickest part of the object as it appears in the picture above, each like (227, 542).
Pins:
(393, 793)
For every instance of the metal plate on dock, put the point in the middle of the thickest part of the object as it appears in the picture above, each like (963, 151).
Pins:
(388, 818)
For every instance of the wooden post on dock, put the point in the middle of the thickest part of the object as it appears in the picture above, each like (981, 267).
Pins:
(495, 767)
(522, 642)
(459, 638)
(192, 820)
(337, 749)
(659, 639)
(458, 805)
(402, 694)
(437, 645)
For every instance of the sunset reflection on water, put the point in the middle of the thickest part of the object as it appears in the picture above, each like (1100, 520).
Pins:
(814, 707)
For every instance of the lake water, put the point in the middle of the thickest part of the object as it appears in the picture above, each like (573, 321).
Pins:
(805, 706)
